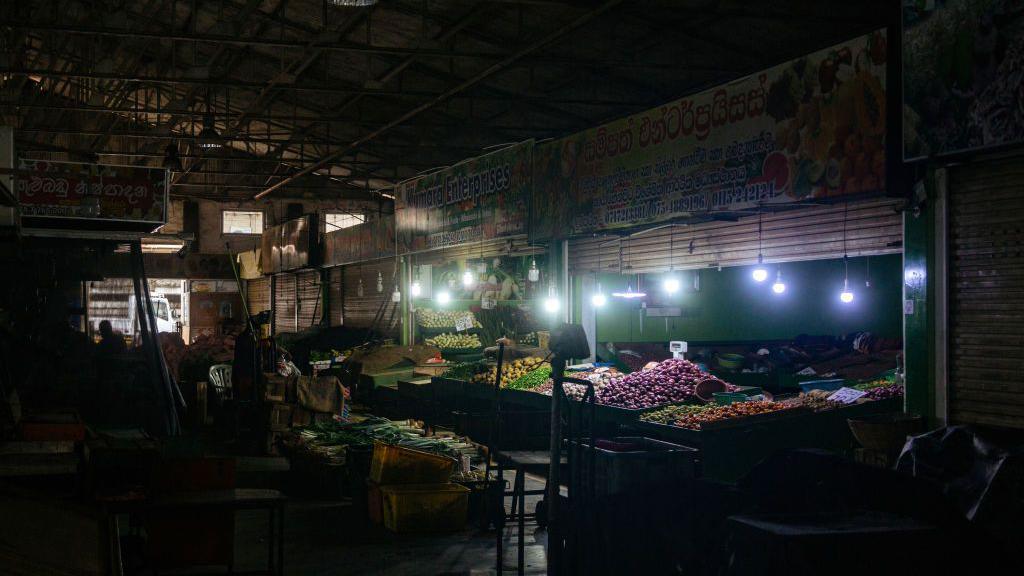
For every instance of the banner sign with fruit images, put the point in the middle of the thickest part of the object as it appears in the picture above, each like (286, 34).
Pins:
(479, 199)
(808, 129)
(963, 76)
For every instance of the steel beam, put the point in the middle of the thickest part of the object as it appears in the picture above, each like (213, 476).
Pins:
(470, 82)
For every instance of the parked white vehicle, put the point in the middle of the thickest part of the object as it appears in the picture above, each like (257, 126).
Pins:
(166, 319)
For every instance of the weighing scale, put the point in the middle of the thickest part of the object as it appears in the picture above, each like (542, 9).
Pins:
(677, 348)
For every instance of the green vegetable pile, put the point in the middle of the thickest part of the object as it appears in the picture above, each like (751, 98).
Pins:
(465, 370)
(364, 433)
(531, 379)
(670, 414)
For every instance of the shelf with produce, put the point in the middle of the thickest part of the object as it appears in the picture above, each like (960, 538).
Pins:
(730, 450)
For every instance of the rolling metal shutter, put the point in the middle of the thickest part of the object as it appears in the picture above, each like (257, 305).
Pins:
(511, 246)
(310, 299)
(360, 311)
(284, 303)
(816, 233)
(335, 297)
(257, 291)
(986, 294)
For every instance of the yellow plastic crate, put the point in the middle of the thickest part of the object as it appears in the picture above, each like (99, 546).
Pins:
(425, 507)
(398, 465)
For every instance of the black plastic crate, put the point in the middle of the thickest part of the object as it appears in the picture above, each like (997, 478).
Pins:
(630, 463)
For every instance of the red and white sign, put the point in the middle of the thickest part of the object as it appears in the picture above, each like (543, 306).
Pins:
(92, 191)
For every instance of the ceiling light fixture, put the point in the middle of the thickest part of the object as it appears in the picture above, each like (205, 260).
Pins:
(209, 138)
(779, 287)
(846, 296)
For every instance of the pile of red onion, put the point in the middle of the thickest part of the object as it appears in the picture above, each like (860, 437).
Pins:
(669, 381)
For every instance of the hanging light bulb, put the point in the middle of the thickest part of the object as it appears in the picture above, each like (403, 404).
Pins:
(598, 299)
(444, 297)
(380, 282)
(670, 285)
(846, 295)
(359, 288)
(552, 303)
(534, 274)
(779, 287)
(415, 289)
(468, 279)
(759, 274)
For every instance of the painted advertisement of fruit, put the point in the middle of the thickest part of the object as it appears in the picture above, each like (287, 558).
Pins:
(830, 115)
(963, 76)
(813, 127)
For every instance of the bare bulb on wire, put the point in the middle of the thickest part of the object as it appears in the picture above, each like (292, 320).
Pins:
(468, 280)
(779, 287)
(846, 296)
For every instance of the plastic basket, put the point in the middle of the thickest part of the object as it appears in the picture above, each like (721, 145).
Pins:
(425, 507)
(398, 465)
(631, 463)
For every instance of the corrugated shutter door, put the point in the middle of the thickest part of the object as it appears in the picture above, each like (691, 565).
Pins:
(360, 311)
(986, 294)
(284, 303)
(257, 291)
(872, 227)
(336, 299)
(511, 246)
(310, 300)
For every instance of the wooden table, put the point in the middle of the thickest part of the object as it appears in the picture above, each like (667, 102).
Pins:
(238, 499)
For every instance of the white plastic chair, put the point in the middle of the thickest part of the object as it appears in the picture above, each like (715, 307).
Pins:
(220, 380)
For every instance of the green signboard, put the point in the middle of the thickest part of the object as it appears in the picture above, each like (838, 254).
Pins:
(479, 199)
(808, 129)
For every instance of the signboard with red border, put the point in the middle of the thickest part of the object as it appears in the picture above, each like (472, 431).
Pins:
(96, 192)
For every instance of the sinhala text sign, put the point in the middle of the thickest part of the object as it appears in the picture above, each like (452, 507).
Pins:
(810, 128)
(479, 199)
(100, 192)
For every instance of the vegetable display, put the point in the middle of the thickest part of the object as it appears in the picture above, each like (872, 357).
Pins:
(455, 341)
(532, 379)
(406, 433)
(816, 400)
(670, 414)
(510, 372)
(696, 420)
(428, 318)
(672, 380)
(885, 392)
(465, 370)
(600, 377)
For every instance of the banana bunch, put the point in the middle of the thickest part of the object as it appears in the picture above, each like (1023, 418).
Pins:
(449, 341)
(510, 372)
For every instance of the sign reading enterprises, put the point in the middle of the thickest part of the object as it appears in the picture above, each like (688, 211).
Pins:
(810, 128)
(82, 191)
(478, 199)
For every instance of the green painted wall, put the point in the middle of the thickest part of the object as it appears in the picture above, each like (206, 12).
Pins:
(919, 331)
(730, 306)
